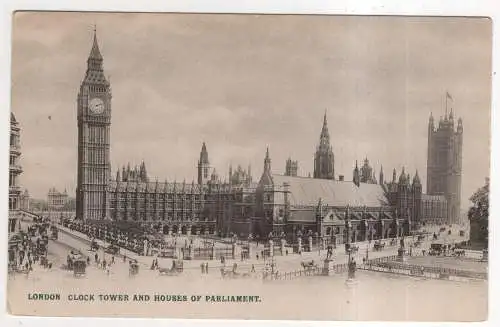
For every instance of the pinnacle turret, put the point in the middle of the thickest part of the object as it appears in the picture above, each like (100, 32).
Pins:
(267, 161)
(95, 72)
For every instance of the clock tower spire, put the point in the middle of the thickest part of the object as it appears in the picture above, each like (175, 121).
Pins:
(94, 122)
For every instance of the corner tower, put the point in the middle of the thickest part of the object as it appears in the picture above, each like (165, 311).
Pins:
(94, 121)
(324, 163)
(203, 166)
(444, 162)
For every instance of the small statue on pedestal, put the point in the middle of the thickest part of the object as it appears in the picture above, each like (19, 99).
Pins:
(351, 269)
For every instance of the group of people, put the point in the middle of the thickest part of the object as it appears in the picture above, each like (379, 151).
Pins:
(28, 248)
(204, 268)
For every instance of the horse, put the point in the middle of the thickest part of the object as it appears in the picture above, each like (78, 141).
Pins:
(308, 265)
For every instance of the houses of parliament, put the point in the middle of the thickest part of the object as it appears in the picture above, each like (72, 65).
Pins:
(363, 207)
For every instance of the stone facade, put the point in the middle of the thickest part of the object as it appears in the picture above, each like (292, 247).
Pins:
(94, 122)
(444, 163)
(335, 208)
(57, 201)
(291, 167)
(15, 171)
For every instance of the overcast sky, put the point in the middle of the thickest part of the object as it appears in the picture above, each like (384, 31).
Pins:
(242, 82)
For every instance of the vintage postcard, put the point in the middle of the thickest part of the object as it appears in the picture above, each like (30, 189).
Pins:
(241, 166)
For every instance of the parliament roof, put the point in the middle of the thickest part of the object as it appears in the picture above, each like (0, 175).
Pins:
(307, 191)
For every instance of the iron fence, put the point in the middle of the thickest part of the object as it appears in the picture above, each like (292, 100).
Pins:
(389, 264)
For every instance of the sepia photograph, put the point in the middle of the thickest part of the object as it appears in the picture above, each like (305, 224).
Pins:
(249, 166)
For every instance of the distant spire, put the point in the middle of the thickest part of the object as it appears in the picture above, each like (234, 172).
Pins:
(324, 138)
(95, 53)
(355, 175)
(416, 179)
(204, 154)
(381, 175)
(267, 161)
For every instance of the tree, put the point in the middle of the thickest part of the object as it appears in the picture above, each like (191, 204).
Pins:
(479, 213)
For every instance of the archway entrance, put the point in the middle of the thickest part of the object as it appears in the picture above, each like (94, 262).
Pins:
(362, 231)
(379, 230)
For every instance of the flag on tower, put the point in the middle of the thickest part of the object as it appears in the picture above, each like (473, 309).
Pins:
(448, 96)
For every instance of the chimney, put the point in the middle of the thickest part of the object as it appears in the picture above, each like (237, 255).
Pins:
(341, 178)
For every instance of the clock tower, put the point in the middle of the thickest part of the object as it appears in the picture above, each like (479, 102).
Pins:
(94, 120)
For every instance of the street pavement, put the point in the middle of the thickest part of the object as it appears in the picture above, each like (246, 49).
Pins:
(283, 263)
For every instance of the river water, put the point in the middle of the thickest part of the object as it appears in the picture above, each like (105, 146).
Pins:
(374, 296)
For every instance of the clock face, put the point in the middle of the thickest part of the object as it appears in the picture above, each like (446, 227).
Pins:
(96, 106)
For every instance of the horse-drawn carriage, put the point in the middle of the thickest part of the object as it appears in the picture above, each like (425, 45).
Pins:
(94, 246)
(73, 257)
(79, 266)
(437, 249)
(378, 246)
(54, 233)
(308, 265)
(112, 249)
(233, 273)
(176, 269)
(349, 248)
(458, 252)
(133, 268)
(485, 255)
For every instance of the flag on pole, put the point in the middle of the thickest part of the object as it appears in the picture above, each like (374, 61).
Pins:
(448, 96)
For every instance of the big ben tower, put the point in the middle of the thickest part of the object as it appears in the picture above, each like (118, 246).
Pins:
(94, 120)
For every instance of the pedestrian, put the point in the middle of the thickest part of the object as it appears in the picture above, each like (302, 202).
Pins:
(96, 257)
(206, 267)
(88, 261)
(257, 255)
(112, 259)
(253, 269)
(202, 268)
